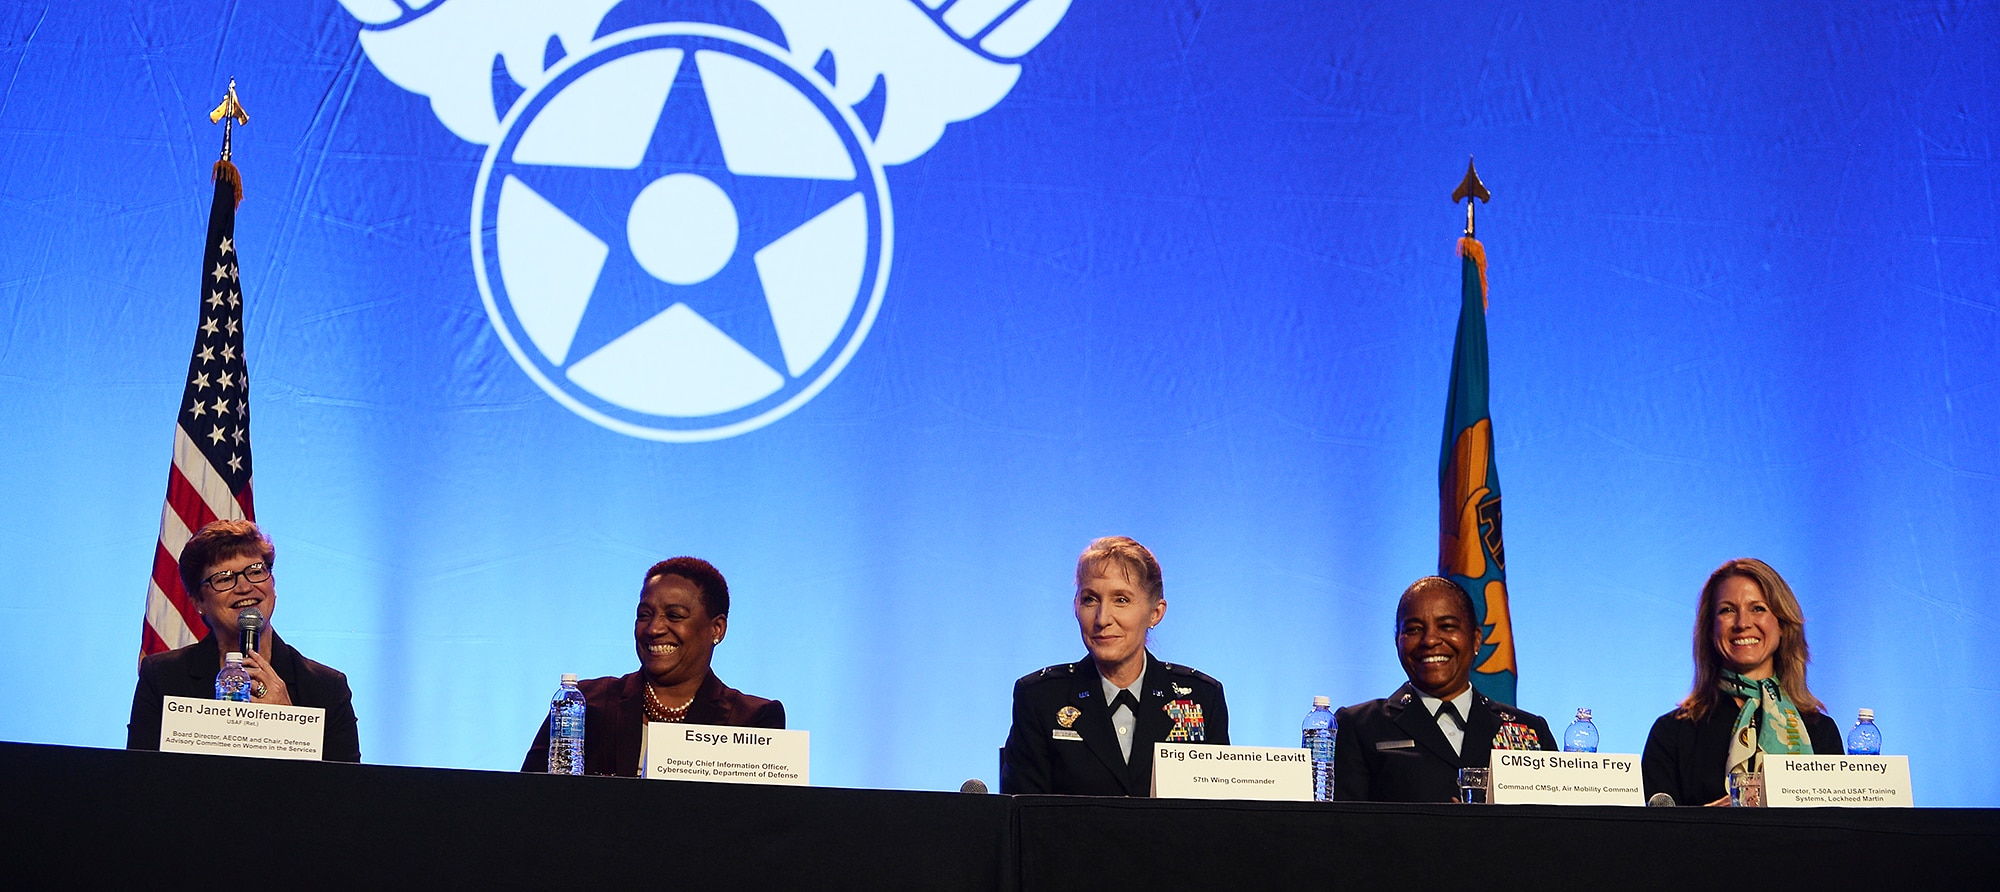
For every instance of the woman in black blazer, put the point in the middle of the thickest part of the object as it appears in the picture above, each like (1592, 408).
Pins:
(226, 570)
(1750, 695)
(683, 615)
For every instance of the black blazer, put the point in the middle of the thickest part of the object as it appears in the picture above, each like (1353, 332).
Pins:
(1045, 754)
(614, 721)
(1391, 750)
(1684, 759)
(190, 672)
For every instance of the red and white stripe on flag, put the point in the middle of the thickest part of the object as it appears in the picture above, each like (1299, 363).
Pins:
(209, 479)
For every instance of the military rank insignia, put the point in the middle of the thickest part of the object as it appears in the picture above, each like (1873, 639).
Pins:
(1067, 716)
(1516, 736)
(1187, 722)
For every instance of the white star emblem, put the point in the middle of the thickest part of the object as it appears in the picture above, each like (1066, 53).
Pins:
(232, 325)
(229, 352)
(226, 380)
(207, 354)
(228, 245)
(235, 462)
(215, 436)
(232, 272)
(234, 298)
(209, 326)
(198, 409)
(200, 381)
(214, 299)
(221, 405)
(240, 407)
(238, 434)
(220, 272)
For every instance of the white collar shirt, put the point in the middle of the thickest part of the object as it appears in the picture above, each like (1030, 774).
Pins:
(1122, 719)
(1454, 732)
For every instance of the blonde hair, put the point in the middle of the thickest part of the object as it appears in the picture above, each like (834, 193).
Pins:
(1789, 664)
(1129, 557)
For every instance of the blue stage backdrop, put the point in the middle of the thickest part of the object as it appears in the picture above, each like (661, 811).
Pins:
(897, 308)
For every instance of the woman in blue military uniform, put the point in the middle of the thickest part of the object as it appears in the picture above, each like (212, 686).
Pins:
(1410, 745)
(1088, 728)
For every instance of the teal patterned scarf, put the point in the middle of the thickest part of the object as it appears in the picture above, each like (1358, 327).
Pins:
(1780, 731)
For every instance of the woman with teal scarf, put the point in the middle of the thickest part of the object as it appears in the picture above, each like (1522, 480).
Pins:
(1750, 696)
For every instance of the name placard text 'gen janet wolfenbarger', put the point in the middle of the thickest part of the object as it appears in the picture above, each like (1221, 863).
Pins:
(231, 728)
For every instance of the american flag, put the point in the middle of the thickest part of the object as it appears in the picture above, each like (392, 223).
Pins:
(210, 476)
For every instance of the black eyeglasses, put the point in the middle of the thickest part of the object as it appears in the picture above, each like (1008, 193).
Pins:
(226, 580)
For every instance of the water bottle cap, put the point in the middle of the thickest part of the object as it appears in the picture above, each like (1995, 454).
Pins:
(232, 657)
(1867, 715)
(569, 678)
(1583, 714)
(1321, 702)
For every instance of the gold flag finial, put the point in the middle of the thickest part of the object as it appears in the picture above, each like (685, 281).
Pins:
(231, 107)
(1468, 189)
(229, 114)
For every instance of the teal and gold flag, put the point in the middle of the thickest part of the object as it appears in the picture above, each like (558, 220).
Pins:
(1469, 547)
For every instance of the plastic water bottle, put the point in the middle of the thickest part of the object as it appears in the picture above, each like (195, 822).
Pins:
(1581, 735)
(233, 682)
(566, 728)
(1865, 739)
(1317, 735)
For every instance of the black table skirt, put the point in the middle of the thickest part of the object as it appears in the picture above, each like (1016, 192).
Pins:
(84, 816)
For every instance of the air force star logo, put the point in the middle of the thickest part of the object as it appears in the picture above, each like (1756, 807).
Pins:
(683, 231)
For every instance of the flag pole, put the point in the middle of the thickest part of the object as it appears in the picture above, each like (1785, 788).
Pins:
(1470, 549)
(209, 478)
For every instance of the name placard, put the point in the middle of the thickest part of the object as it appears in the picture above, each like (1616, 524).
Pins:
(1850, 781)
(727, 755)
(1539, 777)
(1200, 771)
(230, 728)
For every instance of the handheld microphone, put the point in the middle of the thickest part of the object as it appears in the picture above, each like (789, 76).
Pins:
(1660, 799)
(974, 785)
(250, 622)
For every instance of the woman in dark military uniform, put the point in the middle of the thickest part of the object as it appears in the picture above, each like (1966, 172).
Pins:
(1088, 728)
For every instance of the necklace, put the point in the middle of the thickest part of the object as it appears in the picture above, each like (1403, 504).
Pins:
(660, 712)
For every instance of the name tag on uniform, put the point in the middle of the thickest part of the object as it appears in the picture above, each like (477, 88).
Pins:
(1382, 745)
(1064, 734)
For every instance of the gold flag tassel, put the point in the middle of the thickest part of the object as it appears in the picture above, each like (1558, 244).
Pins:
(229, 114)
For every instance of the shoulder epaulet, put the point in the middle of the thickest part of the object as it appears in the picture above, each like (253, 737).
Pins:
(1500, 710)
(1185, 671)
(1059, 670)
